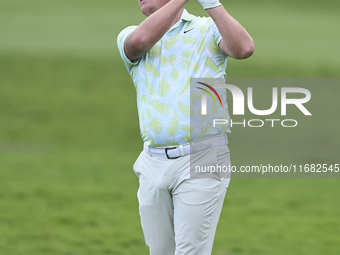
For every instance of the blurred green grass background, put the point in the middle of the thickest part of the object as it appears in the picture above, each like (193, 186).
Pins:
(69, 131)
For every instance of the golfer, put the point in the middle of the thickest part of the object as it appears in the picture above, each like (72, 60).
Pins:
(179, 213)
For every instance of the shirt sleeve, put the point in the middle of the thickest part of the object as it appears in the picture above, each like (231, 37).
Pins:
(120, 43)
(217, 35)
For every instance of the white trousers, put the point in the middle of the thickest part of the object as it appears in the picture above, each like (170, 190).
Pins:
(179, 214)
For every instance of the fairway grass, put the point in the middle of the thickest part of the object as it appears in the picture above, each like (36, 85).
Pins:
(69, 133)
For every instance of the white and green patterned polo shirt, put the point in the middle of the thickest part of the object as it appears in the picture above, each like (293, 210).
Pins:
(162, 78)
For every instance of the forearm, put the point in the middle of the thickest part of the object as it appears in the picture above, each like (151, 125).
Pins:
(152, 29)
(236, 42)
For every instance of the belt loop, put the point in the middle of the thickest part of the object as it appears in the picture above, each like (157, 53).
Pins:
(192, 147)
(181, 149)
(146, 147)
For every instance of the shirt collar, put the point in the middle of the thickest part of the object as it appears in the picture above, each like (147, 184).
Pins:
(187, 16)
(184, 17)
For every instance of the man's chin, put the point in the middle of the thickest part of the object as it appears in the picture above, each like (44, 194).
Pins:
(147, 11)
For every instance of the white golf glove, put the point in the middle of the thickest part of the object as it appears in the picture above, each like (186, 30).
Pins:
(207, 4)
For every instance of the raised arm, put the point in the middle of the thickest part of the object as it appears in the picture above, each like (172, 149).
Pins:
(236, 42)
(152, 29)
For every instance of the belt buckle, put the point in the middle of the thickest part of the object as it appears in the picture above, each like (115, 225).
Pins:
(166, 152)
